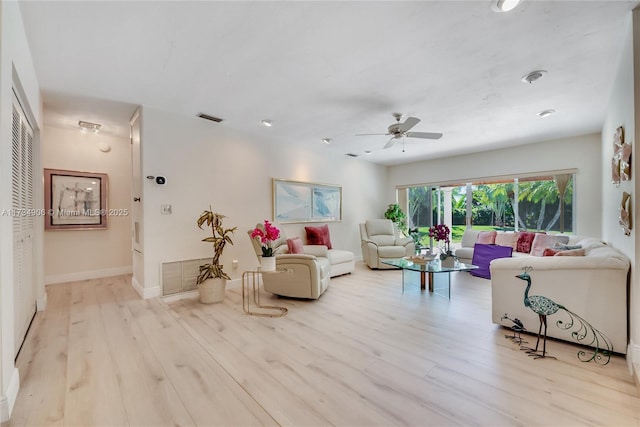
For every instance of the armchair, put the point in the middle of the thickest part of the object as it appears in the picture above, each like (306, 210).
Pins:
(379, 240)
(307, 275)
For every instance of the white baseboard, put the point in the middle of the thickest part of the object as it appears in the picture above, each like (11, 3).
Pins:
(86, 275)
(633, 360)
(7, 401)
(231, 284)
(145, 293)
(234, 283)
(41, 303)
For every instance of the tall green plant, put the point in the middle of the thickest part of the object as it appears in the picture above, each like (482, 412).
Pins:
(219, 237)
(395, 214)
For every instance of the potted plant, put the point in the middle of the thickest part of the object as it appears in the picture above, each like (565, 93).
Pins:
(266, 234)
(395, 214)
(212, 280)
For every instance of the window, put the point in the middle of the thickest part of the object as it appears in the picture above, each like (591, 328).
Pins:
(537, 203)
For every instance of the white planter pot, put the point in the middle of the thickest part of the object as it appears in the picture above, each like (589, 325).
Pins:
(268, 263)
(212, 290)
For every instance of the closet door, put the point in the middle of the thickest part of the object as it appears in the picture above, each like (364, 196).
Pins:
(23, 213)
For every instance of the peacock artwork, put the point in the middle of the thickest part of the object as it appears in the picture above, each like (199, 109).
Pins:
(581, 330)
(517, 328)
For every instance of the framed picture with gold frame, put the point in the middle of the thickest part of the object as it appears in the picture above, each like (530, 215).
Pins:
(75, 200)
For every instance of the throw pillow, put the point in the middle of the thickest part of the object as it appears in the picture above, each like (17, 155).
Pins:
(543, 241)
(507, 239)
(319, 235)
(484, 254)
(487, 237)
(561, 247)
(525, 239)
(572, 252)
(295, 246)
(549, 252)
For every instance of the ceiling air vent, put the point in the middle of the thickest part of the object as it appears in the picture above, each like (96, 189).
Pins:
(352, 155)
(208, 117)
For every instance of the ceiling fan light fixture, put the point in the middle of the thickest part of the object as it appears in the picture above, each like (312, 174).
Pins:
(266, 122)
(545, 113)
(506, 5)
(327, 140)
(533, 76)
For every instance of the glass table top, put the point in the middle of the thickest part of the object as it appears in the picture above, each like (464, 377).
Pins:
(434, 266)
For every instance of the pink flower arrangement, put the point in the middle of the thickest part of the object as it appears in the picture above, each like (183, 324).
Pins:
(266, 234)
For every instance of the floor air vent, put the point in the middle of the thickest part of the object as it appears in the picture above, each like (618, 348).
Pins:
(180, 276)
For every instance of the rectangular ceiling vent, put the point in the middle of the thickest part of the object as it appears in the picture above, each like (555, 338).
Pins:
(352, 155)
(208, 117)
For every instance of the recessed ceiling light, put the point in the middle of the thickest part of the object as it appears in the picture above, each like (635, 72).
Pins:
(88, 126)
(267, 123)
(533, 76)
(368, 152)
(327, 140)
(506, 5)
(545, 113)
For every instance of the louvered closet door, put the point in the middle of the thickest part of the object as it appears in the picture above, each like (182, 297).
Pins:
(23, 220)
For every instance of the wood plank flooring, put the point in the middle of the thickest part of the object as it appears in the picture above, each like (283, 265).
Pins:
(362, 355)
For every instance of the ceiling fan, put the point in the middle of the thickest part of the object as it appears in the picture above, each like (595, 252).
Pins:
(399, 130)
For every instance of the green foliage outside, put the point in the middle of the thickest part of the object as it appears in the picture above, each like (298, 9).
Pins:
(539, 207)
(456, 233)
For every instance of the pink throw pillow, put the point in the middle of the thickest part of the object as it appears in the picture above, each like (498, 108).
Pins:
(525, 239)
(507, 239)
(295, 246)
(487, 237)
(543, 241)
(572, 252)
(319, 236)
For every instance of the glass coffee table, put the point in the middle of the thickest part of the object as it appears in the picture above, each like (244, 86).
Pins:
(433, 274)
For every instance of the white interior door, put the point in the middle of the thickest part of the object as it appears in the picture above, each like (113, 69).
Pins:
(136, 205)
(23, 214)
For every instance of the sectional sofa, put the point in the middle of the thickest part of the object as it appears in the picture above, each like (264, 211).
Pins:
(593, 283)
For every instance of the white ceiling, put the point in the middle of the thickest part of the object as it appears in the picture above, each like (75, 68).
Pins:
(334, 68)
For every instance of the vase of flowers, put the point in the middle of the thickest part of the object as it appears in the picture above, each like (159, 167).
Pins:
(266, 234)
(440, 233)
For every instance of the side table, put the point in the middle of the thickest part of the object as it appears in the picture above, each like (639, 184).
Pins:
(251, 280)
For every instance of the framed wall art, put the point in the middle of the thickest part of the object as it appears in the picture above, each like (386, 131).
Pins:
(75, 200)
(297, 201)
(621, 160)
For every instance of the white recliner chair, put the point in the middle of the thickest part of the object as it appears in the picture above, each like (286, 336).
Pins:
(380, 240)
(306, 276)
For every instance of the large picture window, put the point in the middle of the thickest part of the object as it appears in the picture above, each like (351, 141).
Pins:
(535, 203)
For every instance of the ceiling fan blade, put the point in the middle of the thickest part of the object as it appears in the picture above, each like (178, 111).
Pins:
(425, 135)
(408, 124)
(366, 134)
(391, 143)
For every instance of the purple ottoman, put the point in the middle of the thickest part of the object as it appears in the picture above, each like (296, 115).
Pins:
(484, 254)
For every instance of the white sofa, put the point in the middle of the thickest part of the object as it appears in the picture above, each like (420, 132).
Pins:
(595, 286)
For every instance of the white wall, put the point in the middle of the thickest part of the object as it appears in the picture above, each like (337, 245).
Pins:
(621, 112)
(582, 153)
(16, 70)
(205, 163)
(81, 254)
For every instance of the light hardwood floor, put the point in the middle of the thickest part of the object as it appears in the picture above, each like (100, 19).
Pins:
(362, 355)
